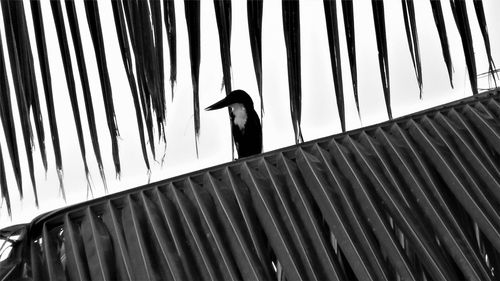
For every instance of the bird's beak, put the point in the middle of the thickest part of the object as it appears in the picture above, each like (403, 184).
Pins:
(220, 104)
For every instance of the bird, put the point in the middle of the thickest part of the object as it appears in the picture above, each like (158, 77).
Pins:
(245, 123)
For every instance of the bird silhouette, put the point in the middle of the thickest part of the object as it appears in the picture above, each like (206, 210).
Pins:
(246, 127)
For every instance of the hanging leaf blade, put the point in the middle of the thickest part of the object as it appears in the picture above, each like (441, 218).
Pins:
(254, 14)
(223, 18)
(192, 11)
(87, 95)
(459, 9)
(43, 61)
(94, 23)
(347, 10)
(17, 60)
(383, 60)
(481, 18)
(437, 12)
(335, 58)
(132, 15)
(412, 38)
(70, 79)
(127, 62)
(7, 118)
(170, 27)
(291, 26)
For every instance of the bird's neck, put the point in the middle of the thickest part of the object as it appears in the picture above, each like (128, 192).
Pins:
(240, 115)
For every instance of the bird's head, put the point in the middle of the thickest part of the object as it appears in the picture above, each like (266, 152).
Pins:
(236, 97)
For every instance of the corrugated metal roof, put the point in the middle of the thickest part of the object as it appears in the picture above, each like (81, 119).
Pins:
(413, 197)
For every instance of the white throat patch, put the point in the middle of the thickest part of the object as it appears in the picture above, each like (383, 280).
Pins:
(240, 115)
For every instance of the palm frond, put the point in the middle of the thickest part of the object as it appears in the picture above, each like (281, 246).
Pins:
(267, 212)
(8, 123)
(169, 16)
(428, 193)
(43, 60)
(312, 219)
(19, 61)
(352, 233)
(481, 18)
(94, 22)
(76, 268)
(70, 79)
(192, 11)
(52, 248)
(165, 248)
(234, 223)
(98, 247)
(333, 42)
(291, 26)
(195, 233)
(347, 10)
(127, 62)
(178, 236)
(437, 12)
(412, 37)
(487, 249)
(238, 195)
(459, 9)
(219, 241)
(254, 14)
(87, 95)
(405, 212)
(123, 260)
(383, 60)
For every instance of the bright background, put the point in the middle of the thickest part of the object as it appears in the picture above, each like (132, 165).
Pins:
(319, 117)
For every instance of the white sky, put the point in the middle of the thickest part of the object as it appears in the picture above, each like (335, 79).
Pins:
(319, 117)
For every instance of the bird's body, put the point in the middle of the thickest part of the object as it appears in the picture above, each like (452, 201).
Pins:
(247, 131)
(245, 123)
